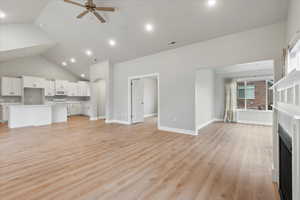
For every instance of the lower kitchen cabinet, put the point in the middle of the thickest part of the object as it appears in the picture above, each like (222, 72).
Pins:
(4, 111)
(78, 108)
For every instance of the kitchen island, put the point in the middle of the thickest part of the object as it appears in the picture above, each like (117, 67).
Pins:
(36, 115)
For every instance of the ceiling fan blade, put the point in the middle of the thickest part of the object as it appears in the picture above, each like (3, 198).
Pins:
(74, 3)
(109, 9)
(99, 17)
(82, 14)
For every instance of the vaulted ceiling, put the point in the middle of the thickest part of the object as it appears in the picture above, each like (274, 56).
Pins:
(182, 21)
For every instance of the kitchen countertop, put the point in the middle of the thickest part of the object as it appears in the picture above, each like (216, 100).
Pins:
(32, 106)
(10, 103)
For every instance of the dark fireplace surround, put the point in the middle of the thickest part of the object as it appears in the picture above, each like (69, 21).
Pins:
(285, 164)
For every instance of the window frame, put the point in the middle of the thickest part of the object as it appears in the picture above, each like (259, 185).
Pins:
(245, 99)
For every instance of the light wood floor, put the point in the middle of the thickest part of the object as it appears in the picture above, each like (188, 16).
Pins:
(91, 160)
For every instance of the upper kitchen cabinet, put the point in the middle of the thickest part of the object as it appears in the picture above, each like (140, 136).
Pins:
(49, 88)
(11, 86)
(33, 82)
(83, 89)
(72, 89)
(61, 87)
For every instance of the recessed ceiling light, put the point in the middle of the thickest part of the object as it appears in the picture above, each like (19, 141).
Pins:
(112, 43)
(211, 3)
(73, 60)
(82, 75)
(64, 64)
(149, 27)
(88, 52)
(2, 15)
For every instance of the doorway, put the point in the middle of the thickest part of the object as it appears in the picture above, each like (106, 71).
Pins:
(143, 99)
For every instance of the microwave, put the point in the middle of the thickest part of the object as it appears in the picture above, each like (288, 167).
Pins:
(61, 93)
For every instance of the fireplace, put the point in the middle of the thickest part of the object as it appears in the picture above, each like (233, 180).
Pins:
(285, 165)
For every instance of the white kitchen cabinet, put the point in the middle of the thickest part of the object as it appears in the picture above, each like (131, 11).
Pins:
(4, 110)
(49, 88)
(33, 82)
(72, 89)
(11, 86)
(61, 87)
(83, 89)
(4, 113)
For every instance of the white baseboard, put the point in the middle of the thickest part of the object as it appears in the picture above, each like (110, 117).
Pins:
(208, 123)
(117, 122)
(150, 115)
(93, 118)
(101, 117)
(177, 130)
(254, 123)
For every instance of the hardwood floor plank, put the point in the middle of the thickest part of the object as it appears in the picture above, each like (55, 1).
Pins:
(91, 160)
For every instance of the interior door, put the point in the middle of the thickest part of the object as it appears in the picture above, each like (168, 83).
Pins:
(137, 100)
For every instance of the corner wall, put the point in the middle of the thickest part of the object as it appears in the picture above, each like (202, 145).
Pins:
(150, 97)
(205, 96)
(101, 71)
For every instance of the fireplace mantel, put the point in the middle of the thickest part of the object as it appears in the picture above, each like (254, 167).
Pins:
(287, 102)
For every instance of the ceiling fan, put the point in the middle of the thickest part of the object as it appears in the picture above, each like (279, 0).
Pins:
(91, 7)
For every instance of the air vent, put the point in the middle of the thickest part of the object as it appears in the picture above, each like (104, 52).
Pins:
(172, 43)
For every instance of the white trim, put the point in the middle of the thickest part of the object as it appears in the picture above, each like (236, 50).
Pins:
(275, 178)
(254, 123)
(158, 95)
(208, 123)
(101, 117)
(117, 122)
(252, 110)
(93, 118)
(256, 78)
(150, 115)
(177, 130)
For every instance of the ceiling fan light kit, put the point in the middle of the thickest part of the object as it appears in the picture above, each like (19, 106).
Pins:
(91, 7)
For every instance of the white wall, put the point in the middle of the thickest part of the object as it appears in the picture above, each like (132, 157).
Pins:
(101, 98)
(150, 97)
(205, 96)
(101, 71)
(35, 66)
(177, 70)
(293, 24)
(219, 100)
(255, 117)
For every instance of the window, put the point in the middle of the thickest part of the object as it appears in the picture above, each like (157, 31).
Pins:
(255, 95)
(246, 92)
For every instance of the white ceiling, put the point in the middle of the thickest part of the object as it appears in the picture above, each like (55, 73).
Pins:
(261, 68)
(183, 21)
(22, 11)
(24, 52)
